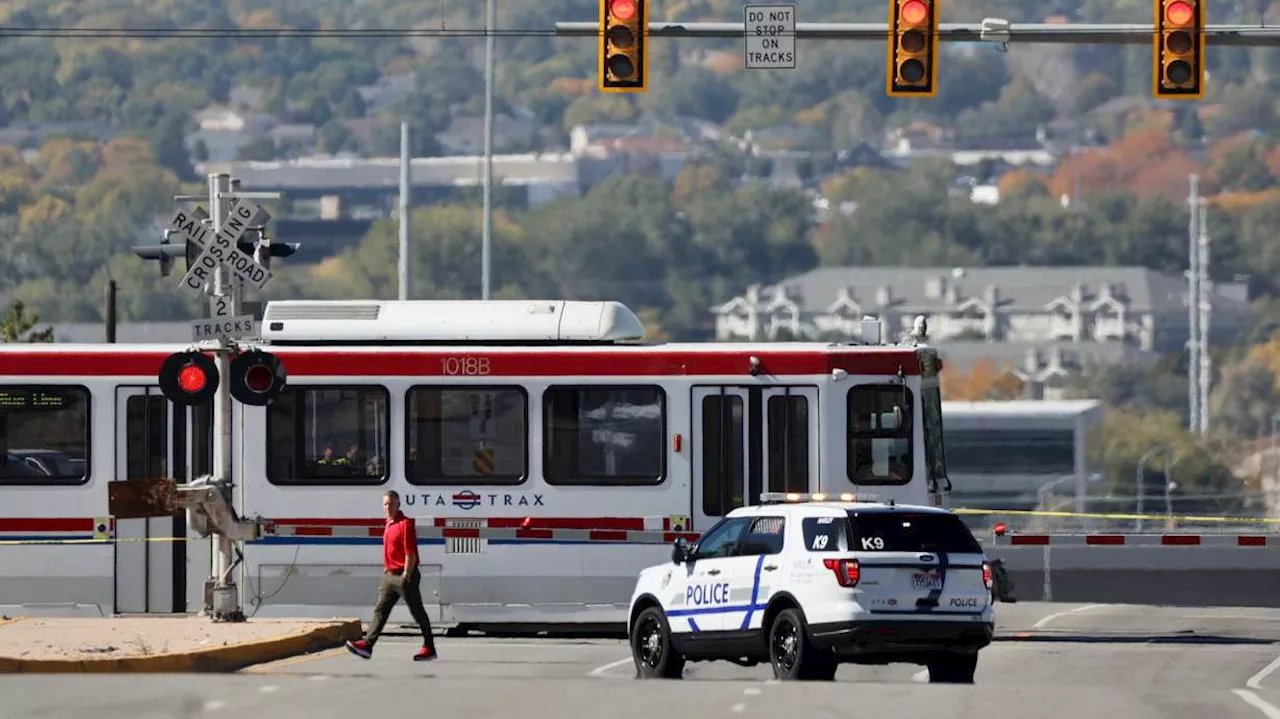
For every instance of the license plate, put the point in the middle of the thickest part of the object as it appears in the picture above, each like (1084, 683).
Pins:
(926, 581)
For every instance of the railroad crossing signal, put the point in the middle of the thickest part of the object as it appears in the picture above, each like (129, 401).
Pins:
(913, 49)
(188, 378)
(257, 378)
(1178, 47)
(624, 40)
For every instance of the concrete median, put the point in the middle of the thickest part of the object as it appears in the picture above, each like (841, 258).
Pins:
(188, 644)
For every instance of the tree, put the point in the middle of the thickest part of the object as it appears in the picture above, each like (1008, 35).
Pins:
(983, 382)
(18, 323)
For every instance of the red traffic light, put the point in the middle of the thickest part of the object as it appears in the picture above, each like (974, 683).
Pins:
(188, 378)
(257, 378)
(623, 10)
(914, 12)
(1179, 13)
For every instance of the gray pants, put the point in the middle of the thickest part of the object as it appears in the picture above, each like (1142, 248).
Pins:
(391, 587)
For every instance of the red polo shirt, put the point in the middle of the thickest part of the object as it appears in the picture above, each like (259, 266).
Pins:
(399, 540)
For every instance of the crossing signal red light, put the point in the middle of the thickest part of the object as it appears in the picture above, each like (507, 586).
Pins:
(257, 378)
(1179, 49)
(624, 51)
(913, 48)
(189, 378)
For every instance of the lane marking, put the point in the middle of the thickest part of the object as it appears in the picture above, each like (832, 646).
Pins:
(268, 688)
(600, 670)
(1056, 615)
(317, 677)
(751, 692)
(1267, 708)
(737, 708)
(1255, 681)
(214, 705)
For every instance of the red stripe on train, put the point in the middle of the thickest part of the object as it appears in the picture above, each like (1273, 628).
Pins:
(542, 363)
(46, 524)
(616, 523)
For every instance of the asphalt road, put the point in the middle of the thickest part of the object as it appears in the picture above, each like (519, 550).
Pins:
(1051, 660)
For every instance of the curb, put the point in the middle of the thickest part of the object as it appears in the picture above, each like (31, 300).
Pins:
(219, 660)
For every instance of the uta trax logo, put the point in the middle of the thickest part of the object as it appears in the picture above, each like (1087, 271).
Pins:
(468, 499)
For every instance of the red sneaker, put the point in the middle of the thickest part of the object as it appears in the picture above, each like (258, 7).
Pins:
(425, 655)
(360, 648)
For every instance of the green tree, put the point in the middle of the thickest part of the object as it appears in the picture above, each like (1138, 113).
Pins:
(19, 326)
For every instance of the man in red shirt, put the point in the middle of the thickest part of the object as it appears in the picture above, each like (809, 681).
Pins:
(400, 578)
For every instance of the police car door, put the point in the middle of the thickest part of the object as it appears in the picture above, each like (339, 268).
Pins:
(705, 599)
(753, 573)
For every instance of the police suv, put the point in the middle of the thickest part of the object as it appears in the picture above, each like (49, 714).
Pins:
(808, 583)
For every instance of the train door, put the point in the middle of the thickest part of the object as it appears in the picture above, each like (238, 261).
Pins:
(720, 459)
(749, 440)
(791, 433)
(150, 554)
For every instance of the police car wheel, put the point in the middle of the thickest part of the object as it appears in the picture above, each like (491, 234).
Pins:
(791, 654)
(651, 647)
(952, 668)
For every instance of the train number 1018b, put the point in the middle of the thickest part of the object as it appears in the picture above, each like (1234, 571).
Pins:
(465, 365)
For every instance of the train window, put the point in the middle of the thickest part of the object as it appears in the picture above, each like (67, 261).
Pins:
(605, 435)
(467, 435)
(44, 435)
(788, 419)
(328, 435)
(723, 465)
(880, 433)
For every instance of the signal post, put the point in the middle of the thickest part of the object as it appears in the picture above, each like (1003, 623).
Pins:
(215, 245)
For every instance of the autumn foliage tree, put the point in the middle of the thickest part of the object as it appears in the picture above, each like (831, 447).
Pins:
(983, 381)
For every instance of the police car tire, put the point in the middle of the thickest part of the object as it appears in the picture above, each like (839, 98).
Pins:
(952, 668)
(811, 663)
(670, 664)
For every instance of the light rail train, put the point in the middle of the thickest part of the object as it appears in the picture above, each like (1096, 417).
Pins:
(550, 415)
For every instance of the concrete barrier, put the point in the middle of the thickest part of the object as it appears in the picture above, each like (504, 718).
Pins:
(1156, 575)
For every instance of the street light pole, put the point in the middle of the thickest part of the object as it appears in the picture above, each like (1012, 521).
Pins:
(486, 243)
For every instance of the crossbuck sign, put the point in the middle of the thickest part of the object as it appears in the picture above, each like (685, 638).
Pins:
(220, 247)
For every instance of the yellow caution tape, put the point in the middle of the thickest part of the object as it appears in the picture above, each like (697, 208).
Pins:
(1120, 515)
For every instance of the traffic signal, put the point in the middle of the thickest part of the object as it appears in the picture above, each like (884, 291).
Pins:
(1179, 49)
(913, 48)
(188, 378)
(257, 378)
(167, 251)
(624, 38)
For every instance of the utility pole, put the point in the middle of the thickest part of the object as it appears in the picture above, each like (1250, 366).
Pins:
(1206, 310)
(110, 312)
(1193, 308)
(486, 248)
(404, 210)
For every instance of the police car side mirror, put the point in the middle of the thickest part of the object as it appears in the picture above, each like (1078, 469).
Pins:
(680, 551)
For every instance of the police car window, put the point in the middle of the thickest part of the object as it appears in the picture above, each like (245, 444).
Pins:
(764, 537)
(903, 532)
(722, 541)
(825, 534)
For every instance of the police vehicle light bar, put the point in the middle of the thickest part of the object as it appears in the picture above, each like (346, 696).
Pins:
(802, 497)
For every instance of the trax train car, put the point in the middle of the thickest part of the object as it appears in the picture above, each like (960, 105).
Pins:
(553, 418)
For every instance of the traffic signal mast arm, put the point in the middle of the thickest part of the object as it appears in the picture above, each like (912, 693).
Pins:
(989, 30)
